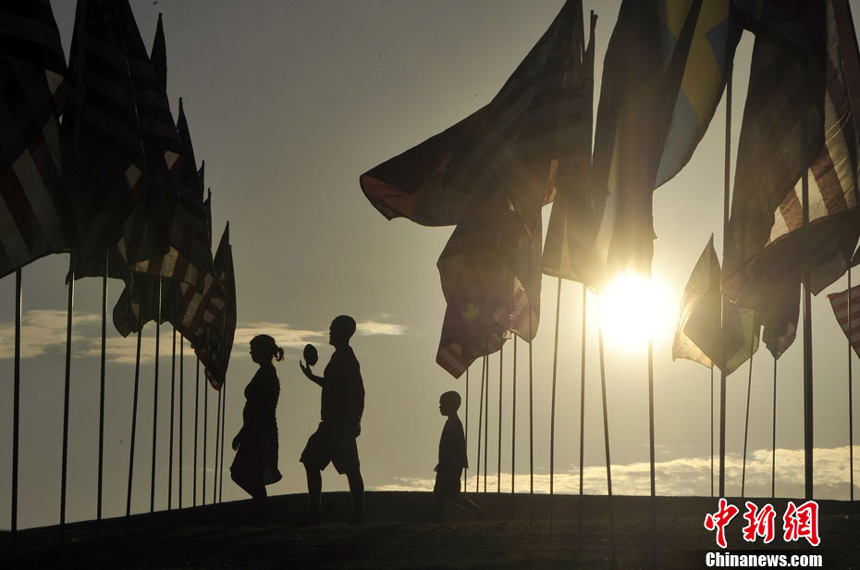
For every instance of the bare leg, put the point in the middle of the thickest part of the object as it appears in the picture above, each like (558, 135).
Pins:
(356, 491)
(314, 477)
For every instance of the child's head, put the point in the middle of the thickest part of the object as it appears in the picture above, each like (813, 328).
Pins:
(449, 403)
(264, 348)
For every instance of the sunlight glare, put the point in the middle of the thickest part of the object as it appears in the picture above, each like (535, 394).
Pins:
(632, 307)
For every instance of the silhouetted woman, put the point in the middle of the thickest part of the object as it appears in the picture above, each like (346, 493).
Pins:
(256, 444)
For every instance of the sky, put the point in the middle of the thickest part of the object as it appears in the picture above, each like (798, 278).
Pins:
(288, 102)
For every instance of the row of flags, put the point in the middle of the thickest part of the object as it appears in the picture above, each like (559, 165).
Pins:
(666, 68)
(95, 165)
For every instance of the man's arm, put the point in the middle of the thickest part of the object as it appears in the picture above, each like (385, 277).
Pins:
(318, 380)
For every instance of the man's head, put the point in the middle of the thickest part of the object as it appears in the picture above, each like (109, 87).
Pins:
(341, 330)
(449, 403)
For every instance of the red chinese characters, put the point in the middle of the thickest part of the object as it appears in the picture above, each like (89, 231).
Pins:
(719, 520)
(798, 522)
(759, 523)
(801, 522)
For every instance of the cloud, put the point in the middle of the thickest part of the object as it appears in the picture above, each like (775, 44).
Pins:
(690, 476)
(368, 328)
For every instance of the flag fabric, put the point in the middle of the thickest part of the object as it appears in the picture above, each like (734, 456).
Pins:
(569, 232)
(214, 346)
(805, 68)
(35, 164)
(850, 322)
(700, 336)
(492, 170)
(663, 76)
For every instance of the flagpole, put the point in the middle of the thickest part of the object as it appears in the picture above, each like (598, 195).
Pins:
(133, 420)
(66, 397)
(850, 396)
(712, 429)
(466, 433)
(155, 401)
(196, 426)
(16, 414)
(807, 310)
(606, 426)
(514, 428)
(501, 385)
(486, 421)
(773, 454)
(215, 473)
(172, 415)
(531, 421)
(747, 420)
(181, 410)
(205, 422)
(480, 426)
(582, 411)
(552, 406)
(102, 399)
(223, 428)
(723, 306)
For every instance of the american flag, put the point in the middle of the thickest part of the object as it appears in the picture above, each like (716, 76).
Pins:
(805, 68)
(34, 158)
(850, 323)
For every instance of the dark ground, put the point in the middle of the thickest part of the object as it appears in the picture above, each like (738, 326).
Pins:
(398, 534)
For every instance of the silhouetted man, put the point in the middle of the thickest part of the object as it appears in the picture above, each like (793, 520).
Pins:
(340, 425)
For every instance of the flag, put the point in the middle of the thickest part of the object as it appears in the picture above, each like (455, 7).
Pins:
(804, 69)
(700, 337)
(664, 73)
(493, 170)
(850, 323)
(158, 54)
(569, 232)
(34, 158)
(214, 346)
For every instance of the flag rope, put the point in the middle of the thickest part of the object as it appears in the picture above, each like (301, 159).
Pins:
(486, 419)
(712, 429)
(773, 448)
(205, 424)
(196, 430)
(499, 469)
(582, 411)
(480, 425)
(466, 434)
(102, 403)
(215, 475)
(223, 429)
(181, 410)
(66, 397)
(514, 427)
(16, 413)
(850, 397)
(172, 417)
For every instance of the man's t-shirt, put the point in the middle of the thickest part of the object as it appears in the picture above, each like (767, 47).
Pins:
(343, 389)
(452, 447)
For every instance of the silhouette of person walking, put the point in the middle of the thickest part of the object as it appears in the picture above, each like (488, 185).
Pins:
(340, 425)
(256, 444)
(452, 459)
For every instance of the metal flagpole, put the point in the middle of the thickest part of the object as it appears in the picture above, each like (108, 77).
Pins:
(66, 396)
(747, 420)
(215, 474)
(606, 426)
(773, 455)
(651, 449)
(850, 395)
(582, 410)
(155, 401)
(514, 427)
(205, 423)
(723, 307)
(501, 385)
(16, 413)
(181, 410)
(480, 426)
(223, 428)
(102, 397)
(133, 420)
(552, 409)
(807, 310)
(486, 419)
(531, 422)
(712, 429)
(172, 415)
(466, 433)
(196, 426)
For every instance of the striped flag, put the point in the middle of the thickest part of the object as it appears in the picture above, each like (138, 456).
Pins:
(664, 73)
(491, 173)
(700, 336)
(34, 159)
(805, 68)
(850, 323)
(214, 346)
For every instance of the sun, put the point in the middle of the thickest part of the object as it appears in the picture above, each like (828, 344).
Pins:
(633, 307)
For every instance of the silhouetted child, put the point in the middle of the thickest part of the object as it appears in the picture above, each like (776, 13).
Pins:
(452, 459)
(256, 444)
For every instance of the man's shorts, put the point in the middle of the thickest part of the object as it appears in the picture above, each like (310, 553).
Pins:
(335, 444)
(447, 483)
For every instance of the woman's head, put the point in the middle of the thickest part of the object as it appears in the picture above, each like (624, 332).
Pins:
(264, 348)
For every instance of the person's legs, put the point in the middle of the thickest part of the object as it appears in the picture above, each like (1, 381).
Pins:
(356, 491)
(314, 477)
